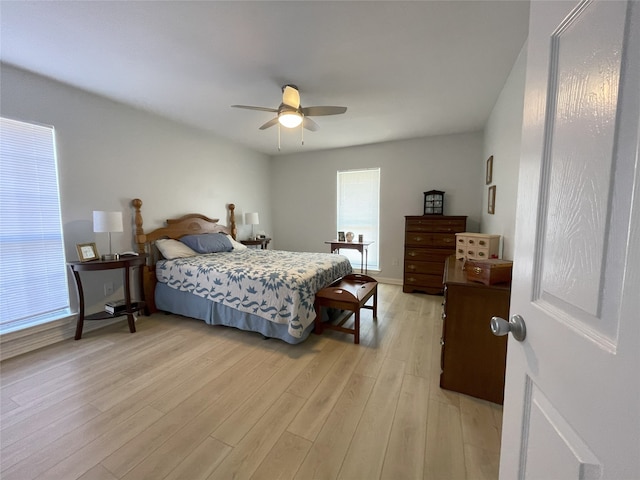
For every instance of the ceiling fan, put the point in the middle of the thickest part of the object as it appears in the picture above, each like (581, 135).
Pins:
(290, 114)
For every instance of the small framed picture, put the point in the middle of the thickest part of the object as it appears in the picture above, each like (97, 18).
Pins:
(491, 209)
(489, 178)
(87, 252)
(341, 236)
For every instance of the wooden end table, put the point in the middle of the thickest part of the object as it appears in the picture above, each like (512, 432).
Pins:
(261, 242)
(362, 247)
(126, 262)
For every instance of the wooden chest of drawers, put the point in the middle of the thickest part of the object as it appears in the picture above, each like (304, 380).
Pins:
(428, 241)
(473, 360)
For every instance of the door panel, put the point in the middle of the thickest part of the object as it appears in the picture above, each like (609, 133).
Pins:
(554, 449)
(572, 393)
(585, 63)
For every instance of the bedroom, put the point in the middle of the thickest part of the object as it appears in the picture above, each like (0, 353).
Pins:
(142, 155)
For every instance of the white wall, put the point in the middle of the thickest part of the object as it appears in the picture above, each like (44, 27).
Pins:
(109, 153)
(502, 137)
(303, 190)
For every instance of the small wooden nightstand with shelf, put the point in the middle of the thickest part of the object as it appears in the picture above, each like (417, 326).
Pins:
(261, 242)
(126, 262)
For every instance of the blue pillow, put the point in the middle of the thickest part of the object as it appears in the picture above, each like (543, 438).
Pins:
(208, 242)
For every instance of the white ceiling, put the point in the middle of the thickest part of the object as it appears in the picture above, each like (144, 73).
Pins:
(404, 69)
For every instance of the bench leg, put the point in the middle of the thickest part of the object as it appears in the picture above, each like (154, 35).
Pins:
(356, 327)
(375, 302)
(317, 323)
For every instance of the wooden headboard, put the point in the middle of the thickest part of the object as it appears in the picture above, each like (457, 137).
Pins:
(176, 228)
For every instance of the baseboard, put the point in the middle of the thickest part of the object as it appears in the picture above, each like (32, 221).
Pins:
(32, 338)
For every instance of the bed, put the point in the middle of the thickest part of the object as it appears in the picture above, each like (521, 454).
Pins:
(271, 292)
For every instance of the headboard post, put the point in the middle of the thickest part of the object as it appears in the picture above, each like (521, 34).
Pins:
(141, 238)
(232, 221)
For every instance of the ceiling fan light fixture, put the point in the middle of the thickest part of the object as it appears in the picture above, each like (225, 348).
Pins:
(290, 119)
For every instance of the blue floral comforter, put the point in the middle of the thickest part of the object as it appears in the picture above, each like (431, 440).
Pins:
(276, 285)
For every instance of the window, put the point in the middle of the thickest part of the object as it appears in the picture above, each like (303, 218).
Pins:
(33, 277)
(359, 211)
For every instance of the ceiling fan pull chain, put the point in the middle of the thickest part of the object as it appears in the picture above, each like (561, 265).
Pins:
(278, 136)
(302, 129)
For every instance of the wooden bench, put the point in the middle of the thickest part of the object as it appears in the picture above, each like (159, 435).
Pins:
(350, 293)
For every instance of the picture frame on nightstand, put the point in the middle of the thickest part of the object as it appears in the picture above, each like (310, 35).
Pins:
(87, 252)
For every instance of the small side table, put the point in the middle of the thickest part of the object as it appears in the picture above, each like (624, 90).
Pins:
(362, 247)
(125, 262)
(262, 242)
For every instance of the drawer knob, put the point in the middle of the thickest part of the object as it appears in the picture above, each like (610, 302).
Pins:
(477, 270)
(412, 254)
(482, 242)
(411, 267)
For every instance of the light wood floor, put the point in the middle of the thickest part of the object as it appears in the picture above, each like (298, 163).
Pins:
(182, 400)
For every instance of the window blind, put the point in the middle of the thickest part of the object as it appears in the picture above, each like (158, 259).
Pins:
(33, 279)
(359, 210)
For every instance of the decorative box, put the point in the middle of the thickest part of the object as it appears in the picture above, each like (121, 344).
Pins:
(489, 271)
(477, 246)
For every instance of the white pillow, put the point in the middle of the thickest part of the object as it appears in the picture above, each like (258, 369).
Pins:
(236, 245)
(170, 249)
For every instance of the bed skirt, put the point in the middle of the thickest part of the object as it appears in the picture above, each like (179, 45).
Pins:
(186, 304)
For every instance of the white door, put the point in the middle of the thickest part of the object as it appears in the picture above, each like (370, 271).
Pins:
(572, 395)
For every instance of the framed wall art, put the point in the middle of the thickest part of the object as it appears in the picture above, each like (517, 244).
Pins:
(491, 209)
(489, 173)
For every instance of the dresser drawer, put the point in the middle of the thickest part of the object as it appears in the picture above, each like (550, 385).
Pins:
(429, 224)
(425, 254)
(431, 268)
(424, 281)
(439, 240)
(477, 253)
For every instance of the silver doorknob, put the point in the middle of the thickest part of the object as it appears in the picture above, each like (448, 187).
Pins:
(515, 325)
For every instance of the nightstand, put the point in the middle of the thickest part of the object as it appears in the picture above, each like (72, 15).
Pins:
(126, 262)
(262, 242)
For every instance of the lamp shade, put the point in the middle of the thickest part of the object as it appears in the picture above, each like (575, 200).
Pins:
(251, 218)
(290, 119)
(107, 221)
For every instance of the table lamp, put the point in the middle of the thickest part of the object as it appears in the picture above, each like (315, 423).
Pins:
(107, 222)
(253, 220)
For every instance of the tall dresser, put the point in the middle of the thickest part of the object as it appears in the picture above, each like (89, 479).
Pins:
(428, 241)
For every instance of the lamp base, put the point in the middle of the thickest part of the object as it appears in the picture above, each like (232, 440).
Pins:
(111, 256)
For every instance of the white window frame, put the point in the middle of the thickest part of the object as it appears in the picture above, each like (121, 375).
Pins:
(34, 288)
(358, 211)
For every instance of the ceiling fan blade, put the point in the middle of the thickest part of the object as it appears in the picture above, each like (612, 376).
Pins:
(291, 96)
(270, 123)
(262, 109)
(310, 124)
(318, 111)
